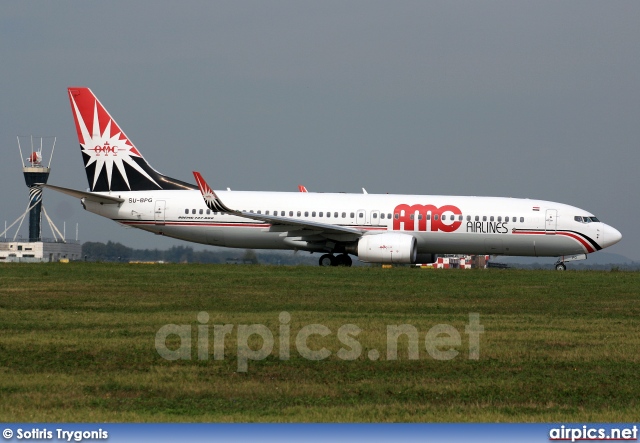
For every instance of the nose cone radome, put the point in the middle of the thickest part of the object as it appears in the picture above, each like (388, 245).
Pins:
(611, 236)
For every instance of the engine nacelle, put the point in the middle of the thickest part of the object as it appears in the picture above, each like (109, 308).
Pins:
(388, 248)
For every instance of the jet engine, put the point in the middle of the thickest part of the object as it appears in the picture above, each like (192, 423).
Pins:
(388, 248)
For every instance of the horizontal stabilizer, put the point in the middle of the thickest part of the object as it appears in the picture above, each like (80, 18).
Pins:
(91, 196)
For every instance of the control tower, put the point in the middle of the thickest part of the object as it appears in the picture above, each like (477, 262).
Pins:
(35, 173)
(35, 248)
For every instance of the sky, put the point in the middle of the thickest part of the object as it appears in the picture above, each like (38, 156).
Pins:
(516, 99)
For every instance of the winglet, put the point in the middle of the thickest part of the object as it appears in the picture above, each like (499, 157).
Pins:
(302, 188)
(212, 201)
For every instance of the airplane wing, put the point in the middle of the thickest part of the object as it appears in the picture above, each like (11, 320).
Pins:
(214, 203)
(91, 196)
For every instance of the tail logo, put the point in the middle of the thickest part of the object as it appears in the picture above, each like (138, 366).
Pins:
(106, 149)
(106, 146)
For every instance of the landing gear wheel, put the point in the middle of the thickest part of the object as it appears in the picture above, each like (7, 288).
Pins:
(343, 260)
(561, 267)
(327, 260)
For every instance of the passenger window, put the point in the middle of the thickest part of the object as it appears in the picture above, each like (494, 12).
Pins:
(344, 215)
(374, 215)
(419, 216)
(335, 214)
(521, 219)
(290, 213)
(201, 211)
(299, 213)
(491, 219)
(186, 211)
(306, 213)
(259, 211)
(506, 219)
(320, 214)
(266, 212)
(352, 214)
(389, 216)
(477, 218)
(435, 217)
(460, 218)
(396, 216)
(428, 216)
(361, 215)
(411, 216)
(313, 214)
(328, 214)
(468, 218)
(193, 211)
(499, 218)
(382, 216)
(484, 218)
(514, 219)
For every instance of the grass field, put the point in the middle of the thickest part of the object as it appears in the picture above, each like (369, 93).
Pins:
(77, 343)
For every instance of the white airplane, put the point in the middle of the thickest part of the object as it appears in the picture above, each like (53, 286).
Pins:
(378, 228)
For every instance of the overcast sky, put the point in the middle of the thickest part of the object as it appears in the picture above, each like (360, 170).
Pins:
(522, 99)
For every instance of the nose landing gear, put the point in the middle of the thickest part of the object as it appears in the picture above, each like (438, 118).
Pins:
(560, 264)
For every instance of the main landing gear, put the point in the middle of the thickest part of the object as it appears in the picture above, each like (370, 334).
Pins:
(335, 260)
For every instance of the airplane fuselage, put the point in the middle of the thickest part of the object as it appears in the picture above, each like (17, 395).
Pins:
(440, 224)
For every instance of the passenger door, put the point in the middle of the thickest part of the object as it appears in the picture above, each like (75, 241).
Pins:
(159, 212)
(551, 221)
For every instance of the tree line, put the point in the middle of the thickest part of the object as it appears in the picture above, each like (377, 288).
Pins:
(112, 251)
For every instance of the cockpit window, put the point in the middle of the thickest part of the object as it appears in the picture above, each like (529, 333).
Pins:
(586, 219)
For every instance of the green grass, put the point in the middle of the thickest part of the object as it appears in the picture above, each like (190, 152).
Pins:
(77, 344)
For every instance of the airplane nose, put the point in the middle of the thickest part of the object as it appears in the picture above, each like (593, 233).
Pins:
(611, 236)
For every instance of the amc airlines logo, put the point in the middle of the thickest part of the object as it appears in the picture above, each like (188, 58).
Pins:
(105, 149)
(426, 218)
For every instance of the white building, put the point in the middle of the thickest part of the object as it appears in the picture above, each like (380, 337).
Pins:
(30, 252)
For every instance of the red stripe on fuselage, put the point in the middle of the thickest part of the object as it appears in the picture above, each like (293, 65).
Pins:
(226, 225)
(576, 237)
